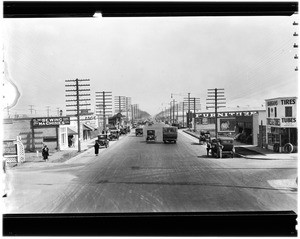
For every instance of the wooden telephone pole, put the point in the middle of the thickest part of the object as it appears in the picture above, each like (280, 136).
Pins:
(77, 98)
(215, 97)
(104, 101)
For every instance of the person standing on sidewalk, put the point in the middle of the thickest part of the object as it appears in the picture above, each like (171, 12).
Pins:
(96, 146)
(208, 147)
(45, 152)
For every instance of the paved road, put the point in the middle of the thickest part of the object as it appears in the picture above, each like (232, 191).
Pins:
(133, 176)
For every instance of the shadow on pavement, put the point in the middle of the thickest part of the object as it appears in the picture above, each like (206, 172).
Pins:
(247, 151)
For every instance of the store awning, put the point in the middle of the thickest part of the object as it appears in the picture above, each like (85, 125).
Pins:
(71, 132)
(88, 127)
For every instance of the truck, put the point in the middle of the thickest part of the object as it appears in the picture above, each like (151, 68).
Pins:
(170, 134)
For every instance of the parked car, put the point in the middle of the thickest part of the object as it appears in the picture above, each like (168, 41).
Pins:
(114, 135)
(103, 140)
(170, 134)
(222, 146)
(123, 130)
(139, 132)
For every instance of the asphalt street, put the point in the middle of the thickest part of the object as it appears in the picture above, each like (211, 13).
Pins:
(135, 176)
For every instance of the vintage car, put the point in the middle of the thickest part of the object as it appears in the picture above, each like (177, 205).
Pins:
(123, 130)
(139, 132)
(222, 146)
(103, 140)
(204, 137)
(170, 134)
(128, 129)
(150, 135)
(114, 135)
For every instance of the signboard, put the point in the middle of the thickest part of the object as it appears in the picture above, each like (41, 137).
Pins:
(226, 125)
(288, 122)
(50, 121)
(273, 122)
(227, 114)
(9, 147)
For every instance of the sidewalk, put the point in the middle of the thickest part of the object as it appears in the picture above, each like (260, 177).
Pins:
(55, 157)
(255, 152)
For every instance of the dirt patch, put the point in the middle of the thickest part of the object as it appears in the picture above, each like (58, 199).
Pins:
(65, 156)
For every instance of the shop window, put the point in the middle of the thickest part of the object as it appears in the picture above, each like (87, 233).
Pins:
(288, 111)
(269, 113)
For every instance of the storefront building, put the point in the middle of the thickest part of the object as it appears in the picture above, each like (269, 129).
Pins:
(281, 128)
(243, 124)
(88, 130)
(58, 133)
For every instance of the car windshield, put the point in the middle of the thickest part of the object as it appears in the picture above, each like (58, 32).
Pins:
(67, 80)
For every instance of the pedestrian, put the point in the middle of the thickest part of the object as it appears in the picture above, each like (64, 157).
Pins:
(45, 152)
(73, 141)
(208, 147)
(96, 146)
(219, 149)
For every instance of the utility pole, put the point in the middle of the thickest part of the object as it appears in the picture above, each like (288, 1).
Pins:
(170, 112)
(183, 114)
(104, 101)
(76, 97)
(31, 109)
(48, 110)
(194, 114)
(196, 105)
(188, 118)
(177, 113)
(173, 111)
(215, 95)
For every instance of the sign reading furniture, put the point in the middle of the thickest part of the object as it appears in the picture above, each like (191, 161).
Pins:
(50, 121)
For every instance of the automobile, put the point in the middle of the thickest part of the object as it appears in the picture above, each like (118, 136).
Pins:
(170, 134)
(114, 135)
(150, 135)
(103, 140)
(139, 132)
(204, 137)
(222, 146)
(123, 130)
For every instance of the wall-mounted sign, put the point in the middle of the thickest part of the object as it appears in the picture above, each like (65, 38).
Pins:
(50, 121)
(272, 103)
(288, 122)
(9, 147)
(273, 122)
(227, 114)
(226, 125)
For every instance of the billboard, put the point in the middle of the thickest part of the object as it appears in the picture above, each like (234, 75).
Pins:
(226, 125)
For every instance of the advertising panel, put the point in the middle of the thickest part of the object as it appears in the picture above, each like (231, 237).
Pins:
(9, 147)
(50, 121)
(226, 125)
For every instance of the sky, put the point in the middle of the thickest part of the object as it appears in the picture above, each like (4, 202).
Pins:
(148, 59)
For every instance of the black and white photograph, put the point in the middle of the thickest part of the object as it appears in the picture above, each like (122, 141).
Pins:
(149, 109)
